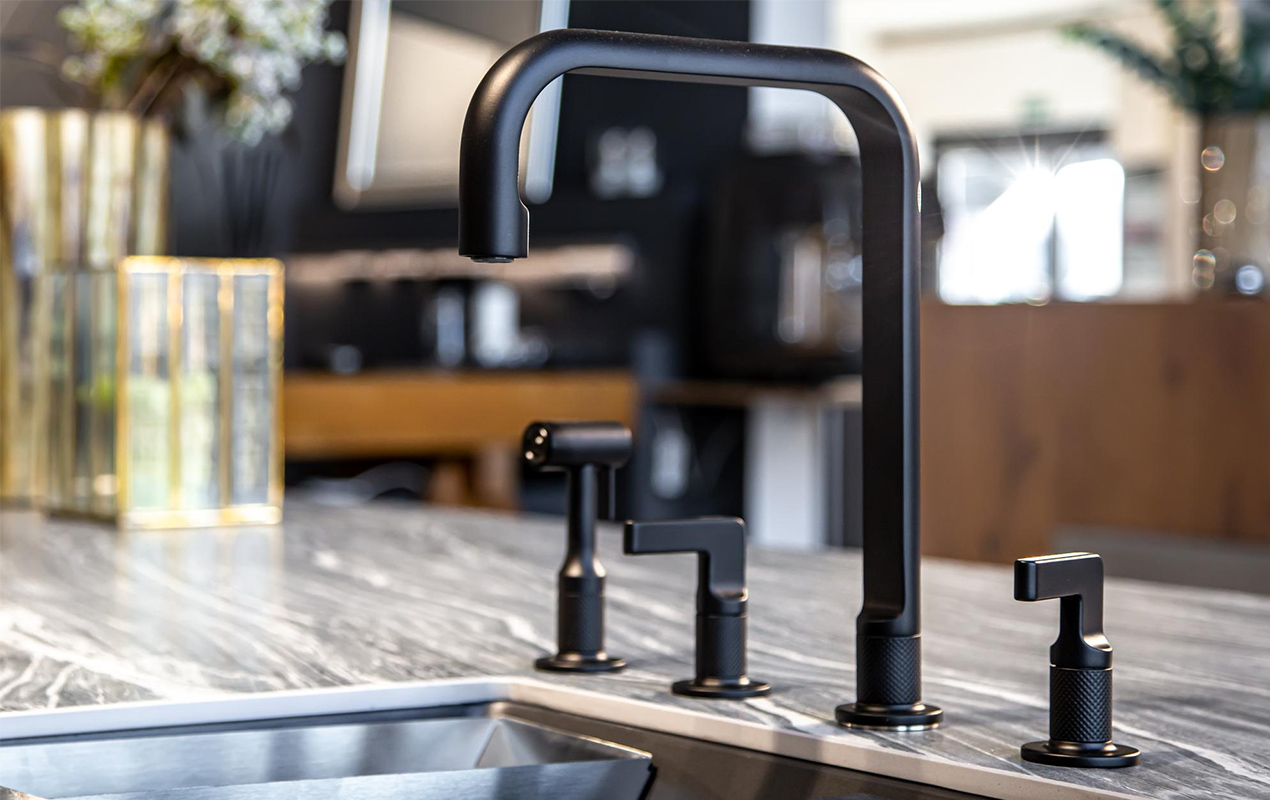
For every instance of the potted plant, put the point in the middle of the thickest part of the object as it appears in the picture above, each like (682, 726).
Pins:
(81, 188)
(1228, 89)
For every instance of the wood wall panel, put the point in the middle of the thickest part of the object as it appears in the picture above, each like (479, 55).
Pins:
(1152, 417)
(1167, 426)
(987, 463)
(407, 414)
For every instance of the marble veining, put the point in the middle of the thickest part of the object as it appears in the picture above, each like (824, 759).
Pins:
(388, 593)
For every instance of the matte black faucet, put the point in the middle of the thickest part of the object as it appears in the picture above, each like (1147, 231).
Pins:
(494, 226)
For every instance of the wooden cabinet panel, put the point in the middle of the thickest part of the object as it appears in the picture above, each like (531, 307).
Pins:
(1153, 417)
(440, 413)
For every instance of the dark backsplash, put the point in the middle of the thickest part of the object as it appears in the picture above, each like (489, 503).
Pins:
(664, 230)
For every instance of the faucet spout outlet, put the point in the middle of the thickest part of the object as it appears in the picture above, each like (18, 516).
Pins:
(494, 225)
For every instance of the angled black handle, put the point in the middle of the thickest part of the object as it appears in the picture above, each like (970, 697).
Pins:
(1075, 579)
(589, 452)
(719, 543)
(1080, 663)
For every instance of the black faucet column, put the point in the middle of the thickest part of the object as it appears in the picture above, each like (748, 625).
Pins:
(588, 453)
(494, 226)
(580, 605)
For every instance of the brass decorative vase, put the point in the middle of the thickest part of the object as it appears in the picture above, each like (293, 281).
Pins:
(78, 190)
(1234, 240)
(164, 392)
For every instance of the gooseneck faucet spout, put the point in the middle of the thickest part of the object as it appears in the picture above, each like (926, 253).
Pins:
(494, 226)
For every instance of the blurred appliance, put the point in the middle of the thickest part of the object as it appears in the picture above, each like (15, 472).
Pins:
(781, 291)
(412, 69)
(347, 310)
(477, 323)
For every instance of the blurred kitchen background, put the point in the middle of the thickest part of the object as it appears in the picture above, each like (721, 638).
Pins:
(1096, 221)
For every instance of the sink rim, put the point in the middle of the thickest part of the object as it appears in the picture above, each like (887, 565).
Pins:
(833, 746)
(454, 741)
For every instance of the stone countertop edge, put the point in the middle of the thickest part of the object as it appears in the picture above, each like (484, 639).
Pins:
(849, 753)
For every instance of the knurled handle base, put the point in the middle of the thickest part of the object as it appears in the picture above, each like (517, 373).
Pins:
(721, 647)
(580, 636)
(889, 687)
(1080, 705)
(721, 661)
(580, 622)
(1080, 723)
(888, 670)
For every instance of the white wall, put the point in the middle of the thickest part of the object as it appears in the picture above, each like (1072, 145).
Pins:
(989, 67)
(985, 66)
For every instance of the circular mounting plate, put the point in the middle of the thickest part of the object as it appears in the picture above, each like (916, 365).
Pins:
(723, 690)
(1074, 754)
(579, 662)
(915, 717)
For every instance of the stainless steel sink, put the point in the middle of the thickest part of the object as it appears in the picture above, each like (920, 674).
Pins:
(462, 757)
(411, 747)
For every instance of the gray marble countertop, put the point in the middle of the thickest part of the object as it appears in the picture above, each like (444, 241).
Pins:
(383, 594)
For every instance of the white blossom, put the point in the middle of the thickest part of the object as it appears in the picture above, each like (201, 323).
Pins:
(256, 48)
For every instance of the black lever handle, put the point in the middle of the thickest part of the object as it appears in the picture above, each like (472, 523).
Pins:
(719, 543)
(589, 452)
(1075, 580)
(1080, 663)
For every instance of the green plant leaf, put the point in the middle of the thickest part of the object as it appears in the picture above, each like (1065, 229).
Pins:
(1199, 75)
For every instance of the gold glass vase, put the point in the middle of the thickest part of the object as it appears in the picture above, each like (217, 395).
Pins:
(78, 190)
(164, 392)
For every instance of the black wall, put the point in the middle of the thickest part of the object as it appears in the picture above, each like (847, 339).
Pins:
(698, 128)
